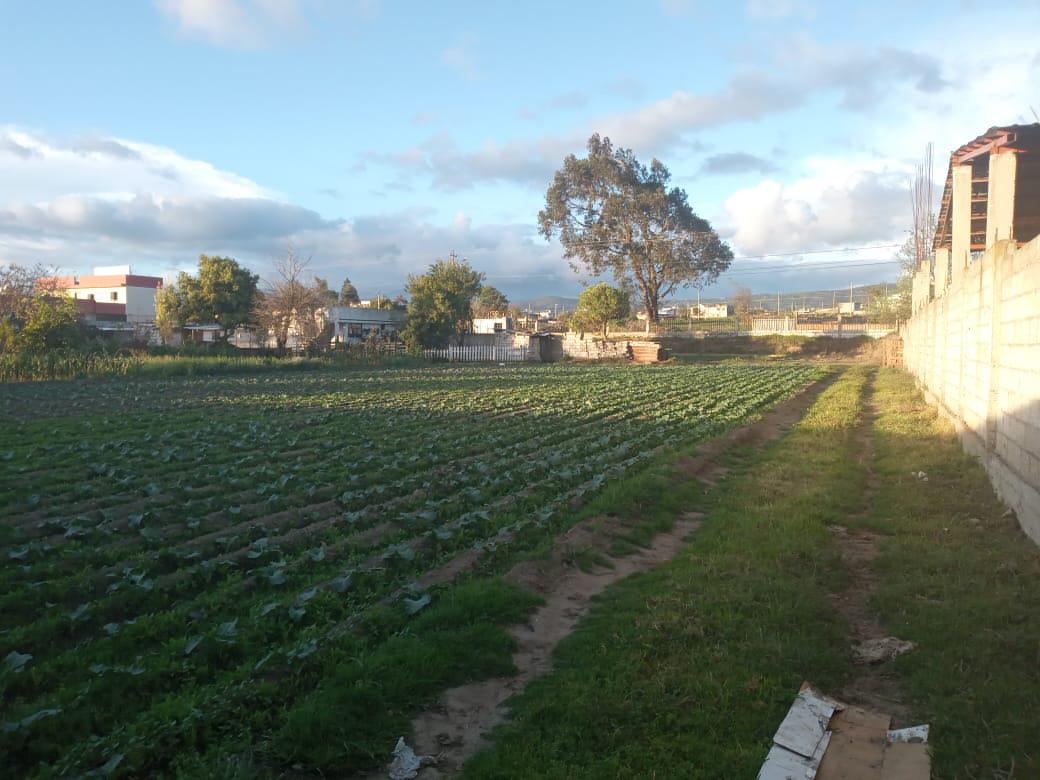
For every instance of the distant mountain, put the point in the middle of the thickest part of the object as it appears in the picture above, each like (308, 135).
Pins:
(761, 300)
(548, 302)
(797, 300)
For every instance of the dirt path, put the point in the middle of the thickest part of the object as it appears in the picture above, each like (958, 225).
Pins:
(456, 728)
(873, 687)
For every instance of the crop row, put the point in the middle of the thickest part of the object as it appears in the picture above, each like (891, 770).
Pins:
(379, 479)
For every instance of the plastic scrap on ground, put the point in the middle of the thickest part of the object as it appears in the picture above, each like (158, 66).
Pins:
(405, 764)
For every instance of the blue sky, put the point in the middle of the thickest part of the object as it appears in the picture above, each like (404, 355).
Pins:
(376, 136)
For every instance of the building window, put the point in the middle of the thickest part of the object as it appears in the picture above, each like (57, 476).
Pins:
(90, 296)
(354, 329)
(114, 296)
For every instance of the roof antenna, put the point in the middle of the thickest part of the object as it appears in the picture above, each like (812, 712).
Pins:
(1037, 118)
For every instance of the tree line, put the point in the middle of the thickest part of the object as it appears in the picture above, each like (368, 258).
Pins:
(611, 214)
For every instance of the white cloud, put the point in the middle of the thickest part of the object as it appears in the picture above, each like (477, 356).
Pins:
(152, 220)
(462, 222)
(100, 195)
(862, 80)
(33, 168)
(104, 201)
(240, 24)
(837, 204)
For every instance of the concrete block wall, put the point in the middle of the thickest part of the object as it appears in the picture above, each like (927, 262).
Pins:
(585, 346)
(975, 351)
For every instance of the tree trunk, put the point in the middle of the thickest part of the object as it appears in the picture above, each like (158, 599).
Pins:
(650, 304)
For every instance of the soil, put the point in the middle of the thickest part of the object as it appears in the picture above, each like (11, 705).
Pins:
(873, 687)
(456, 728)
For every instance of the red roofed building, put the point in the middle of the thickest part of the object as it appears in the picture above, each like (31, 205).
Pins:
(132, 294)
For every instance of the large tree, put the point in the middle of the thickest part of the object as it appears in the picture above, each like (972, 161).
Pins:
(742, 300)
(600, 305)
(221, 293)
(613, 214)
(348, 294)
(288, 305)
(490, 301)
(440, 306)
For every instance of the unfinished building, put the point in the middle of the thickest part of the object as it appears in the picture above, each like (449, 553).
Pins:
(973, 342)
(992, 193)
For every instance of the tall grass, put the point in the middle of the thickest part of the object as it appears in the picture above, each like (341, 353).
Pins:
(77, 364)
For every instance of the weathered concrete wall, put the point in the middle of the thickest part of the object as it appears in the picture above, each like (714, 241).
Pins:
(585, 346)
(975, 350)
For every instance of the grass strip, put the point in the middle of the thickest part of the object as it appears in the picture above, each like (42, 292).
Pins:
(686, 670)
(960, 579)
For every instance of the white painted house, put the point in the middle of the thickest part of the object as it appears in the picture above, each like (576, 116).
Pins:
(492, 324)
(713, 310)
(134, 293)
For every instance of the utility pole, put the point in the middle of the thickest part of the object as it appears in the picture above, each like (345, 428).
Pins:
(777, 301)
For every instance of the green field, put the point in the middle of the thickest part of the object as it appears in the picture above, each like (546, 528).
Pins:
(203, 569)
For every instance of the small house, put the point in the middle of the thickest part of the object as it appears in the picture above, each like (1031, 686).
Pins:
(355, 324)
(492, 324)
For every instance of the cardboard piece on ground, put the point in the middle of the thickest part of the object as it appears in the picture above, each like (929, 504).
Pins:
(826, 739)
(782, 764)
(857, 747)
(906, 761)
(804, 725)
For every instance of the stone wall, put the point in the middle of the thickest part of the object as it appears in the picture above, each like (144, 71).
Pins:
(585, 346)
(975, 350)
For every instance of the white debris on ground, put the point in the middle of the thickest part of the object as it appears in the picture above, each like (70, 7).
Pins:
(824, 739)
(405, 764)
(920, 475)
(877, 651)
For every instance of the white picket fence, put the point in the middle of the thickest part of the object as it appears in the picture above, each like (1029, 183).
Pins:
(480, 354)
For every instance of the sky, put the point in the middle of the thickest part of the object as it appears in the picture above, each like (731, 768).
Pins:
(375, 136)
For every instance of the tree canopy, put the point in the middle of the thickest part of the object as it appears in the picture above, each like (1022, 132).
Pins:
(441, 303)
(742, 300)
(490, 301)
(288, 305)
(613, 214)
(328, 297)
(19, 287)
(51, 322)
(221, 293)
(167, 303)
(600, 305)
(35, 315)
(348, 294)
